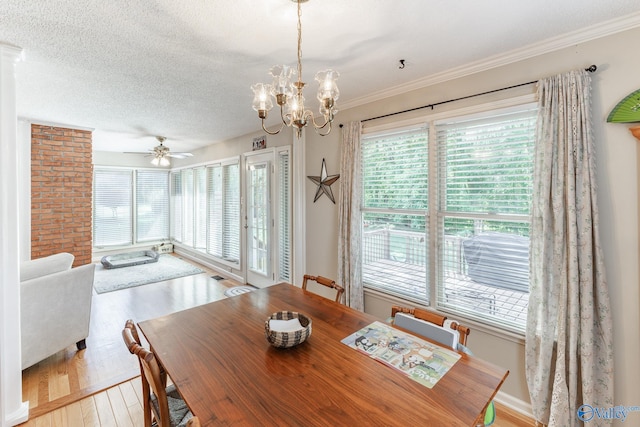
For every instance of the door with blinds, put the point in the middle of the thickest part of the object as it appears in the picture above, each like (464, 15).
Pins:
(266, 218)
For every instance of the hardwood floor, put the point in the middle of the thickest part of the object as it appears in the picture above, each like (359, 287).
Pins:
(71, 375)
(100, 386)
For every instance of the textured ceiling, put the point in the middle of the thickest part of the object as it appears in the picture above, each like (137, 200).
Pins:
(182, 69)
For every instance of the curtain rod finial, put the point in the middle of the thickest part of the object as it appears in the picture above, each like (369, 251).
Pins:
(592, 68)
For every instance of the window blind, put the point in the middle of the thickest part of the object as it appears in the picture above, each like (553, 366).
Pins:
(152, 205)
(231, 212)
(200, 208)
(112, 207)
(394, 213)
(224, 212)
(284, 218)
(176, 206)
(216, 223)
(187, 206)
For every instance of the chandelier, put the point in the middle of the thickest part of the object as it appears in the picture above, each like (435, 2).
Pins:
(288, 94)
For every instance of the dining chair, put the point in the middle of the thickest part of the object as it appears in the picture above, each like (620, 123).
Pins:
(193, 422)
(164, 403)
(436, 319)
(435, 332)
(325, 282)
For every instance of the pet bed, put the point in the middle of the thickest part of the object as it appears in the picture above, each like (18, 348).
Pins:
(129, 258)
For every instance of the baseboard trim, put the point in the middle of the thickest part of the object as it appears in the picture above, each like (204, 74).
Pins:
(514, 404)
(201, 260)
(19, 416)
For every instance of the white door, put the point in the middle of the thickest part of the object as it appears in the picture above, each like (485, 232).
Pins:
(259, 220)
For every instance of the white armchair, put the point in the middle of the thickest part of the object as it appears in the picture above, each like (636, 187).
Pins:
(55, 306)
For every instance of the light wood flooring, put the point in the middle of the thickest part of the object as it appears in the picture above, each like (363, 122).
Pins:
(100, 386)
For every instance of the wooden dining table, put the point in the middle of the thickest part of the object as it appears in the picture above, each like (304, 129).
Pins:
(228, 374)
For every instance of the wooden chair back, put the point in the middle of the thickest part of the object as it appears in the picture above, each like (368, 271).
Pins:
(434, 318)
(325, 282)
(193, 422)
(154, 379)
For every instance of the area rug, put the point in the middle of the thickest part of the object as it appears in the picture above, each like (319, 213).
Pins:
(168, 267)
(238, 290)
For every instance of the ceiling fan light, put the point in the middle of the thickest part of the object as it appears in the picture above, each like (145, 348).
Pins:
(164, 161)
(155, 161)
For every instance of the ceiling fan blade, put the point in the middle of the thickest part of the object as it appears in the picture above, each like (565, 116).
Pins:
(138, 152)
(180, 155)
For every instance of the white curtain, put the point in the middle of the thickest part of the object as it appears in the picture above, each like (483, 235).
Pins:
(349, 235)
(569, 358)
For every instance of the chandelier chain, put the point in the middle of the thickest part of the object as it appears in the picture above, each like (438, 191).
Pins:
(299, 42)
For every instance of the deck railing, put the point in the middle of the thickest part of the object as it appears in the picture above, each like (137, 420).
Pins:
(409, 247)
(396, 261)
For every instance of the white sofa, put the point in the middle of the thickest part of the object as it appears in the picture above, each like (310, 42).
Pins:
(55, 306)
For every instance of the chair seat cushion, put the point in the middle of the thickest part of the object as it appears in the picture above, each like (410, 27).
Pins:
(179, 413)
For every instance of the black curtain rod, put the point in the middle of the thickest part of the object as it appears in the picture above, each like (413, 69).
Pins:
(591, 69)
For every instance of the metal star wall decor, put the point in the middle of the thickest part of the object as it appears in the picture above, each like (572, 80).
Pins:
(324, 182)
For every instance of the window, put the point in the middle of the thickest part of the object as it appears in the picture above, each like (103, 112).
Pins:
(200, 208)
(124, 217)
(206, 209)
(112, 208)
(466, 252)
(152, 206)
(224, 212)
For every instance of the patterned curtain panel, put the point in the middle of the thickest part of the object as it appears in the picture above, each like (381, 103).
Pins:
(569, 358)
(349, 271)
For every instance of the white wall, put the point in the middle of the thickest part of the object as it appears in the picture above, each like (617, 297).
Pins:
(618, 157)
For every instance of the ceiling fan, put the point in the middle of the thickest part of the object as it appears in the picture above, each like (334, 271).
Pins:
(161, 153)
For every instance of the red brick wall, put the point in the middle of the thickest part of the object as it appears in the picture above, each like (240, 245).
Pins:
(61, 191)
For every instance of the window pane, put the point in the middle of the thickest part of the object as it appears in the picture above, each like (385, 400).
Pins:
(487, 164)
(394, 170)
(112, 213)
(258, 218)
(394, 243)
(394, 254)
(485, 270)
(152, 205)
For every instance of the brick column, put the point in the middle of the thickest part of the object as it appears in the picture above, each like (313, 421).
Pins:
(61, 191)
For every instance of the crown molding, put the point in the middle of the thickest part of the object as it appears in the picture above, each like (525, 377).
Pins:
(33, 121)
(546, 46)
(11, 52)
